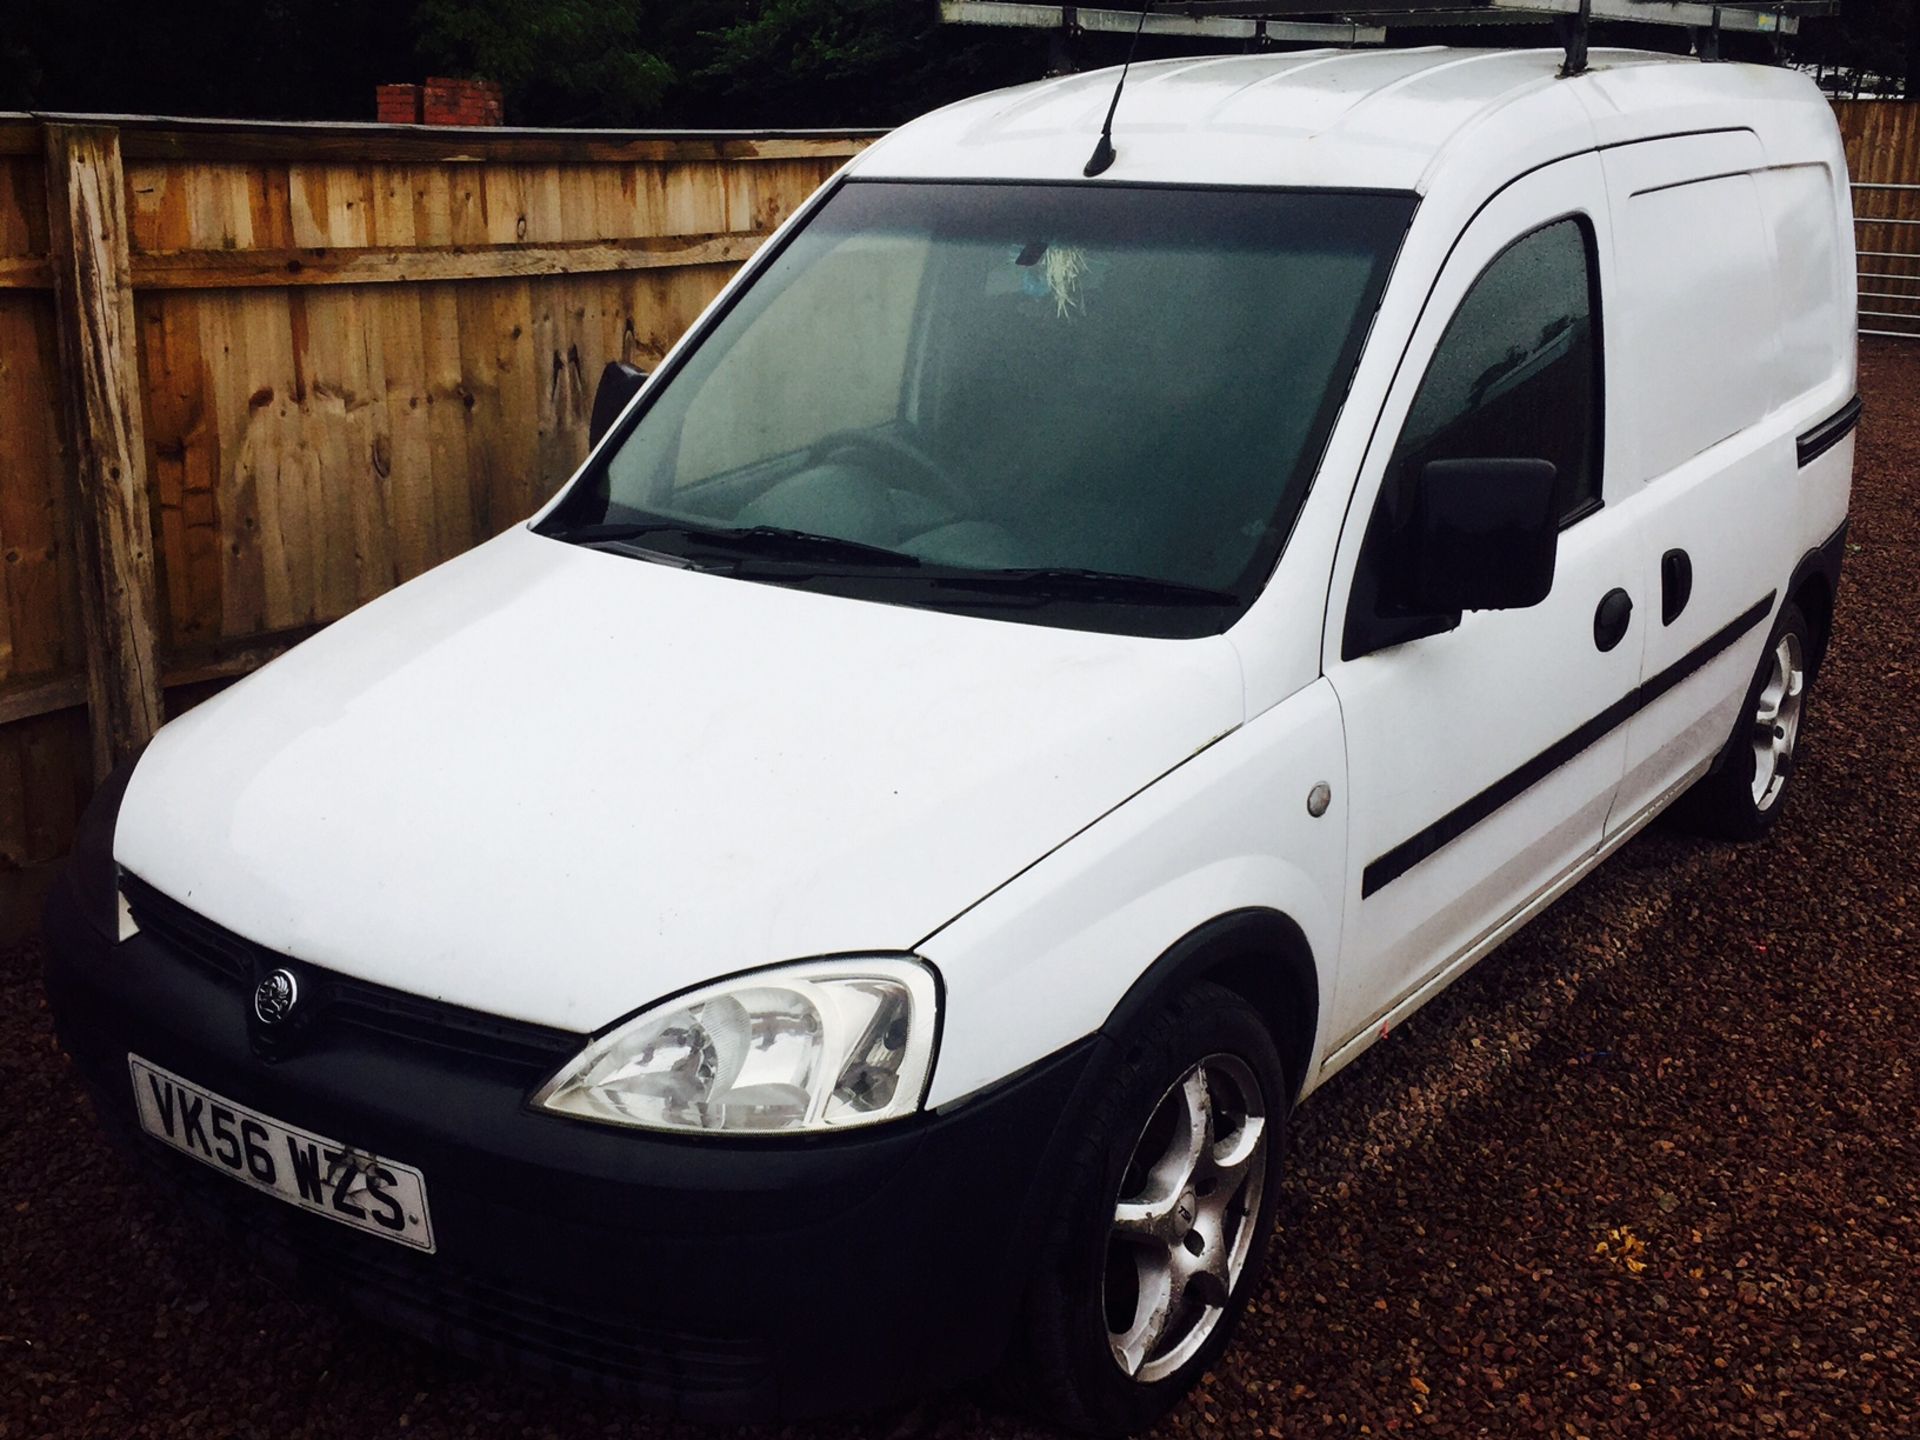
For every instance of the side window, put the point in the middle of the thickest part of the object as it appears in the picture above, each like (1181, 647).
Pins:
(1516, 376)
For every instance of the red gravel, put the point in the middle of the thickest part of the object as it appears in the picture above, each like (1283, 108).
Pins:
(1651, 1170)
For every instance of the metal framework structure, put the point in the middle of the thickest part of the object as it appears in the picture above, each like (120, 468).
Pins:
(1364, 22)
(1171, 19)
(1889, 258)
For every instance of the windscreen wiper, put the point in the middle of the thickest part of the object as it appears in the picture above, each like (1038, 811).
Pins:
(623, 538)
(778, 542)
(1073, 583)
(771, 542)
(614, 530)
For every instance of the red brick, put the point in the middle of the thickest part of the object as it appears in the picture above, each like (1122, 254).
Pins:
(450, 101)
(397, 104)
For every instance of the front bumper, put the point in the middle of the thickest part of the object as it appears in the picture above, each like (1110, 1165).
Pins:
(716, 1279)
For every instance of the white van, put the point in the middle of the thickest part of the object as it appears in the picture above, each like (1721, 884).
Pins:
(1046, 672)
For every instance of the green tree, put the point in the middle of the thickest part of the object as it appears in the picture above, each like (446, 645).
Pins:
(560, 62)
(838, 62)
(801, 57)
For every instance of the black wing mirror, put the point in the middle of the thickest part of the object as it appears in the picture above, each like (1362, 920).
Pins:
(1485, 536)
(619, 383)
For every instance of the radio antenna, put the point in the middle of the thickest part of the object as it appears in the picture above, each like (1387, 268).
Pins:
(1103, 151)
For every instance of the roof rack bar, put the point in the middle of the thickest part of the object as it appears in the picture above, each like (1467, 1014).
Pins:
(1123, 22)
(1656, 12)
(1208, 18)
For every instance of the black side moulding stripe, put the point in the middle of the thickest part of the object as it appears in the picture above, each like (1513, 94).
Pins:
(1814, 443)
(1462, 818)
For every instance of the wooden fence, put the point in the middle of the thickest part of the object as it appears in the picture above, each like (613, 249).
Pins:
(252, 376)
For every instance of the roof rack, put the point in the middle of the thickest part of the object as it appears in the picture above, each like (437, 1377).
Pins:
(1364, 22)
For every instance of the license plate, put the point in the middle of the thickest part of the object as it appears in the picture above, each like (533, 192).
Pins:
(368, 1192)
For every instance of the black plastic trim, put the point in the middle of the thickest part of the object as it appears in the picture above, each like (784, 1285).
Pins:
(1816, 585)
(773, 1253)
(882, 177)
(1264, 955)
(1810, 445)
(1462, 818)
(1676, 584)
(341, 1006)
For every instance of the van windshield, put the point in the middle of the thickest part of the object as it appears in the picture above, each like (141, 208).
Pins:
(1086, 405)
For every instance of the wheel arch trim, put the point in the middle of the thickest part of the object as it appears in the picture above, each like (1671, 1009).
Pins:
(1815, 587)
(1259, 953)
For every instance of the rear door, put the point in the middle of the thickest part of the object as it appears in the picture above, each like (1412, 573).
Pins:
(1483, 760)
(1707, 452)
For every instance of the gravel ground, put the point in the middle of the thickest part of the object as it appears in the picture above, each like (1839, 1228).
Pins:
(1651, 1170)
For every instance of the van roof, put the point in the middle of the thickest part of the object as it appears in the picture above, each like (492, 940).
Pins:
(1367, 119)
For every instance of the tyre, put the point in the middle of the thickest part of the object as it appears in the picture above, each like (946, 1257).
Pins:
(1742, 796)
(1166, 1211)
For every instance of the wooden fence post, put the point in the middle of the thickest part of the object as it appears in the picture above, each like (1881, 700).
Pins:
(112, 526)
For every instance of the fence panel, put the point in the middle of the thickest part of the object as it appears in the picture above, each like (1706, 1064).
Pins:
(361, 350)
(45, 770)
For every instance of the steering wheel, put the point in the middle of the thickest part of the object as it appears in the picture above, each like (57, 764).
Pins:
(938, 483)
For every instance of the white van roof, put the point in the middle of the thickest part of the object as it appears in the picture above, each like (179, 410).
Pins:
(1365, 119)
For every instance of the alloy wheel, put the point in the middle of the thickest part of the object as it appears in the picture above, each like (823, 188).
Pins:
(1184, 1219)
(1776, 721)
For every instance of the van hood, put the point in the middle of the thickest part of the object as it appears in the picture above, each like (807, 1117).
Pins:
(555, 784)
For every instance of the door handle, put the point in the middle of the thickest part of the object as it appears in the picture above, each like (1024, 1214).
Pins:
(1610, 621)
(1676, 584)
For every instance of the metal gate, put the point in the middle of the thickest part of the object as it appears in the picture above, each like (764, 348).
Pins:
(1886, 227)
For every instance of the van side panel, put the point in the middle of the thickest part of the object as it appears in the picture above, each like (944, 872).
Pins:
(1810, 213)
(1698, 314)
(1802, 194)
(1797, 201)
(1737, 291)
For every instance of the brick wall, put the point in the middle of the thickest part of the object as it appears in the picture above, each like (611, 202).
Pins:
(440, 101)
(397, 104)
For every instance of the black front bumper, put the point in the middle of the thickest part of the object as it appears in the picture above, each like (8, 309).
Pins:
(710, 1278)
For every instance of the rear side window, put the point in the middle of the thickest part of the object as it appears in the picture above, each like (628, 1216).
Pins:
(1517, 374)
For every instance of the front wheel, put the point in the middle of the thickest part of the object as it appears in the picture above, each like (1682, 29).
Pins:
(1742, 797)
(1166, 1212)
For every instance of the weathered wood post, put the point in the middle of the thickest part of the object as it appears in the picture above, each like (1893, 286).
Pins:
(112, 526)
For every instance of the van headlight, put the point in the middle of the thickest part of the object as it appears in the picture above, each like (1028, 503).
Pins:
(821, 1045)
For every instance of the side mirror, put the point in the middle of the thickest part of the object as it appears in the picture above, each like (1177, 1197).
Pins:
(619, 383)
(1484, 536)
